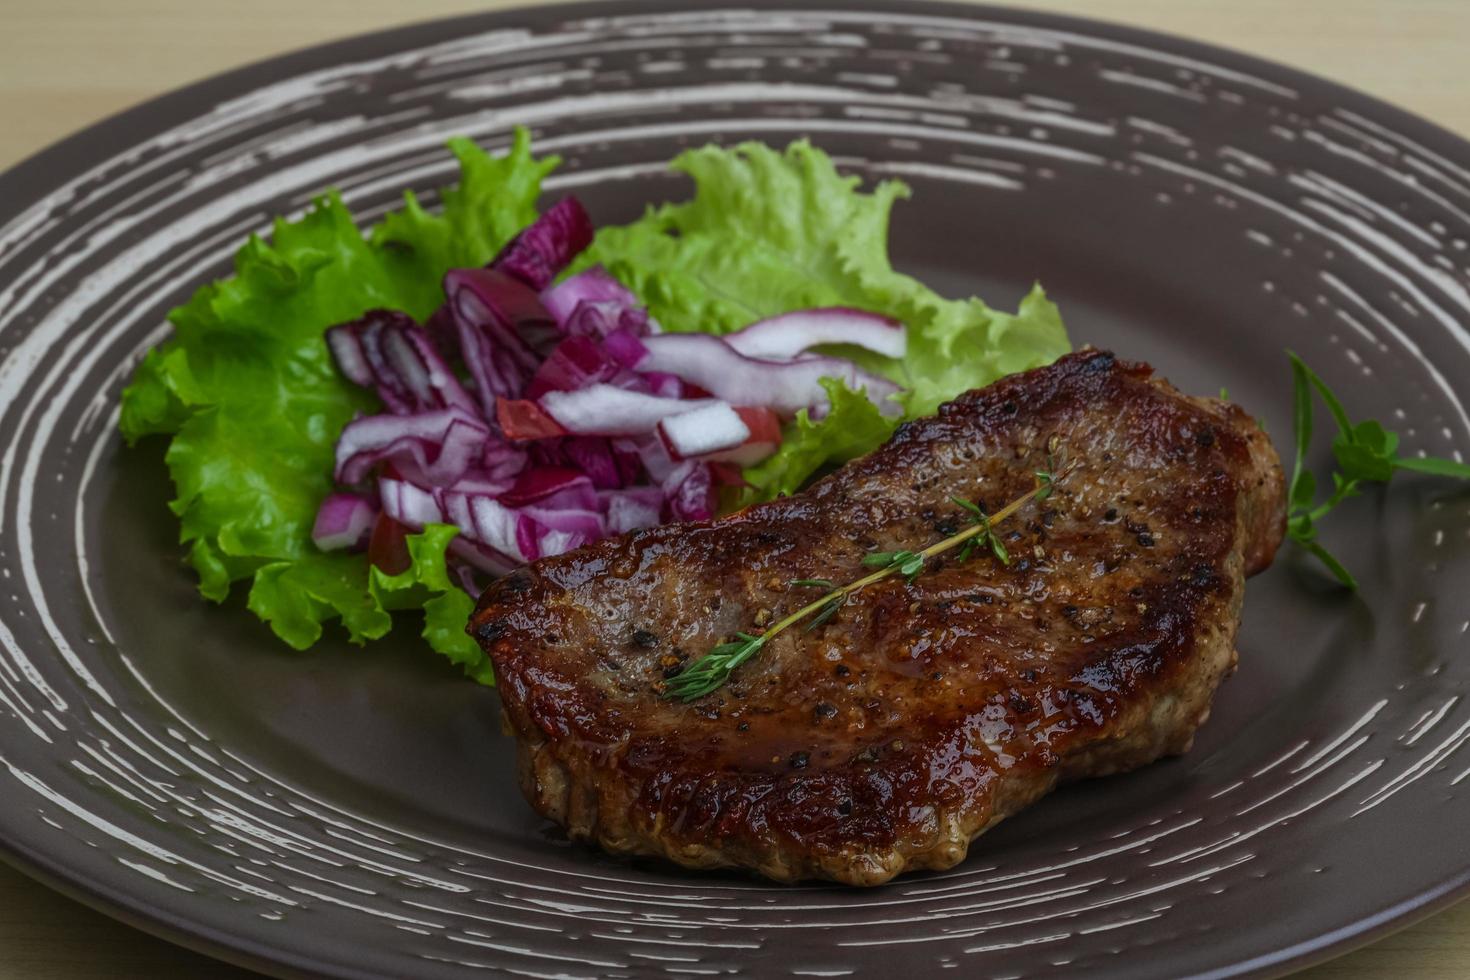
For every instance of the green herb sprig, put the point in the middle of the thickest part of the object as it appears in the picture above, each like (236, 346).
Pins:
(1364, 452)
(987, 537)
(910, 564)
(713, 669)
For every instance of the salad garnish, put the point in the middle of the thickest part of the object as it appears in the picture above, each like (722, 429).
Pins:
(581, 425)
(498, 387)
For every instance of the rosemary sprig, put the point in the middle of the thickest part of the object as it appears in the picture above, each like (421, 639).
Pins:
(1364, 452)
(715, 667)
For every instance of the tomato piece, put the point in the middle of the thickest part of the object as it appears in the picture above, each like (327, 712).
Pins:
(388, 546)
(764, 424)
(726, 475)
(522, 419)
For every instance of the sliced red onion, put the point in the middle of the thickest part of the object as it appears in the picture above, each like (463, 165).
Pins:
(632, 381)
(440, 445)
(624, 347)
(474, 481)
(476, 555)
(410, 505)
(361, 341)
(502, 460)
(442, 333)
(587, 525)
(344, 520)
(575, 363)
(786, 387)
(689, 492)
(413, 355)
(602, 409)
(780, 338)
(538, 254)
(560, 542)
(594, 456)
(346, 348)
(649, 454)
(455, 505)
(388, 352)
(664, 385)
(492, 523)
(493, 315)
(601, 424)
(552, 487)
(704, 430)
(592, 285)
(601, 319)
(629, 509)
(521, 536)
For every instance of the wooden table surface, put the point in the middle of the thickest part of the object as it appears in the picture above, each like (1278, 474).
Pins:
(66, 63)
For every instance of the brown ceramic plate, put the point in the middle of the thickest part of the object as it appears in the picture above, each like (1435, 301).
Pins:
(353, 812)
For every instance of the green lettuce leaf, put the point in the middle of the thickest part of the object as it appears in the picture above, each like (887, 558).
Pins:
(768, 232)
(852, 428)
(248, 392)
(447, 607)
(966, 344)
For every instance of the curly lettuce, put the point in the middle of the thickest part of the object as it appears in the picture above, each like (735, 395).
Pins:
(253, 403)
(768, 232)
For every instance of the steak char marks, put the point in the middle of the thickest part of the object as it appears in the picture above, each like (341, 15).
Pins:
(923, 713)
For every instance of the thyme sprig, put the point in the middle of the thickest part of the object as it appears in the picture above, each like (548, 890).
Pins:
(987, 537)
(1045, 478)
(713, 669)
(910, 564)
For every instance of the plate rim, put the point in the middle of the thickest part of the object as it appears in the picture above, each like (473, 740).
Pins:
(28, 179)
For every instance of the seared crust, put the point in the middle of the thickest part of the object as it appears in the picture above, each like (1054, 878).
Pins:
(923, 713)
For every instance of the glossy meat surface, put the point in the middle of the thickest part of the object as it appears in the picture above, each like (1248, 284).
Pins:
(921, 714)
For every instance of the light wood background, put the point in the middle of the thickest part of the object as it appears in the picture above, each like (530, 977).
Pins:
(67, 63)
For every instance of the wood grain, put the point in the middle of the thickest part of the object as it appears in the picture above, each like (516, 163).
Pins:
(67, 63)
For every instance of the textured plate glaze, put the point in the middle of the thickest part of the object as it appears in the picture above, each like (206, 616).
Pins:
(354, 812)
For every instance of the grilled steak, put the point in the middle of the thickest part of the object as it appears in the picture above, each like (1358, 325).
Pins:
(923, 713)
